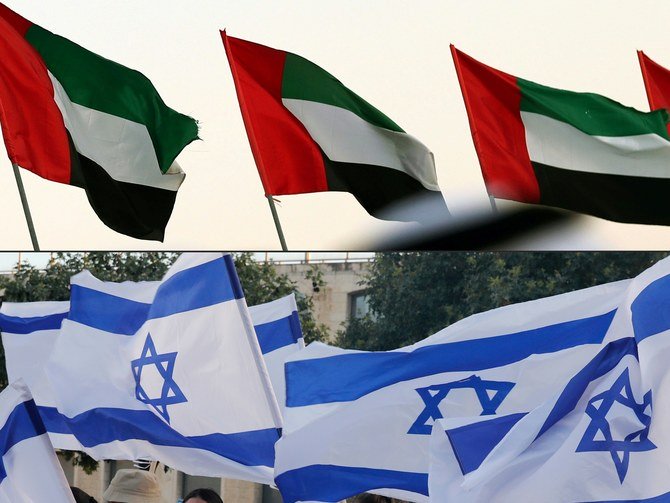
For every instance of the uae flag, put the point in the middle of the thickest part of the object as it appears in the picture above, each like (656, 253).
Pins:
(73, 117)
(656, 82)
(578, 151)
(309, 133)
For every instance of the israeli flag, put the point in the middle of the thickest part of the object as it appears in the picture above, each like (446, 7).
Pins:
(361, 421)
(29, 333)
(604, 436)
(29, 469)
(173, 373)
(279, 334)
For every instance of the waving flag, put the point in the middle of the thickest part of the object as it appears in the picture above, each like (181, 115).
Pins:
(29, 334)
(173, 373)
(656, 82)
(361, 421)
(578, 151)
(309, 133)
(73, 117)
(29, 469)
(277, 327)
(604, 436)
(30, 330)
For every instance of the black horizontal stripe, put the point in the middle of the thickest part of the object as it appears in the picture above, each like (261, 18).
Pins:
(378, 188)
(628, 199)
(135, 210)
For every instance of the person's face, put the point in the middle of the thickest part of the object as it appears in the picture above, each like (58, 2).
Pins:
(195, 499)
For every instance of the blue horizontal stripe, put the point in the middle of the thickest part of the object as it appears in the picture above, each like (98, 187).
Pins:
(200, 286)
(661, 498)
(606, 360)
(331, 483)
(350, 376)
(278, 333)
(23, 326)
(104, 425)
(24, 422)
(105, 312)
(473, 442)
(53, 420)
(651, 309)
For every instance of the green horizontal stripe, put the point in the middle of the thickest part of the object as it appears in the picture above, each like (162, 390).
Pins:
(303, 80)
(98, 83)
(591, 113)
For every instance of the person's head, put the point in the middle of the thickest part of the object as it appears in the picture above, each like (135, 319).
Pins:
(202, 496)
(372, 498)
(81, 497)
(133, 486)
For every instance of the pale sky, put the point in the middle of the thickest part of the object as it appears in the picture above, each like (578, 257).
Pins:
(393, 53)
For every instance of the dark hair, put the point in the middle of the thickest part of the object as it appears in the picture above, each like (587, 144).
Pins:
(205, 494)
(371, 498)
(81, 497)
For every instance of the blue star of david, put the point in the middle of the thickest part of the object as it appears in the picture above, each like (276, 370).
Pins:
(432, 396)
(170, 393)
(637, 441)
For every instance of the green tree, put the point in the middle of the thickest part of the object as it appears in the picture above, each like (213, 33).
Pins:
(413, 295)
(260, 281)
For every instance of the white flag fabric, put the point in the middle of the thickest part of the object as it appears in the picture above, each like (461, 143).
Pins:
(29, 469)
(173, 373)
(605, 436)
(361, 421)
(279, 334)
(29, 333)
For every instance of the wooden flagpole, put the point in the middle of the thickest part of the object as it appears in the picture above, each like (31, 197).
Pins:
(275, 217)
(26, 209)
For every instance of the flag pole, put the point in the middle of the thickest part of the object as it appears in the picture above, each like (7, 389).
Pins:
(26, 209)
(275, 217)
(494, 208)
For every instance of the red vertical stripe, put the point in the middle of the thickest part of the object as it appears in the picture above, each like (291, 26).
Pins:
(288, 160)
(656, 83)
(32, 124)
(18, 22)
(492, 99)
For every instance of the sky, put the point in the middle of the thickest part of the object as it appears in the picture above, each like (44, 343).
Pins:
(393, 53)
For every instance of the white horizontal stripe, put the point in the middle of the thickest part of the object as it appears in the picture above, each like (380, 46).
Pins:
(141, 291)
(558, 144)
(345, 137)
(34, 309)
(191, 460)
(273, 311)
(122, 148)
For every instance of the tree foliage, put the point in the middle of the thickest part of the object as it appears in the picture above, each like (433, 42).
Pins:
(413, 295)
(260, 281)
